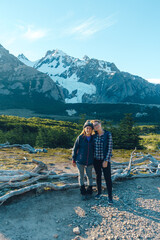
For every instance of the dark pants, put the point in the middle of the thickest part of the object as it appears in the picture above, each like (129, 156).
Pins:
(107, 176)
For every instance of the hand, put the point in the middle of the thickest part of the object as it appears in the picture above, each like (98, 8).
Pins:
(73, 164)
(105, 164)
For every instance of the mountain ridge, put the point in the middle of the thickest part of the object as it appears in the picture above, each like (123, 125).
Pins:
(90, 80)
(18, 79)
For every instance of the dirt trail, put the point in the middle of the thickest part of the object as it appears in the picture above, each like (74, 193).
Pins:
(135, 214)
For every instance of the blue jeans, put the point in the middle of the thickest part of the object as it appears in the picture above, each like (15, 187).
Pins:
(88, 170)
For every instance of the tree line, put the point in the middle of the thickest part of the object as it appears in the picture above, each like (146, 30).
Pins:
(39, 132)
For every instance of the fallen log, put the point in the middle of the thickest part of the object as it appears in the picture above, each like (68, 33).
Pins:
(36, 186)
(15, 172)
(19, 175)
(40, 166)
(25, 147)
(16, 177)
(62, 176)
(24, 183)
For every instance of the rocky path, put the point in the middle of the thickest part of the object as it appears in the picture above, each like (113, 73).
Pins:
(135, 214)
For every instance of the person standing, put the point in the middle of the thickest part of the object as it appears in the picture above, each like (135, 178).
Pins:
(82, 156)
(102, 155)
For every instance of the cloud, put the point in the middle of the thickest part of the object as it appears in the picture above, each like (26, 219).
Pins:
(10, 41)
(154, 80)
(34, 34)
(90, 27)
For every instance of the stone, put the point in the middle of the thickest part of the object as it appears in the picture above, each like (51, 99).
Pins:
(55, 236)
(76, 230)
(76, 238)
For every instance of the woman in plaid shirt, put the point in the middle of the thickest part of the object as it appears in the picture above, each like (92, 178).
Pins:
(102, 155)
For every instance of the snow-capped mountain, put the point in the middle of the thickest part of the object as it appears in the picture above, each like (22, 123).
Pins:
(25, 60)
(90, 80)
(67, 72)
(17, 80)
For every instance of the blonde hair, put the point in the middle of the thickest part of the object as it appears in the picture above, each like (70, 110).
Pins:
(96, 120)
(83, 132)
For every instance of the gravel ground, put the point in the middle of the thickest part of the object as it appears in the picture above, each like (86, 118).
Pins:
(50, 215)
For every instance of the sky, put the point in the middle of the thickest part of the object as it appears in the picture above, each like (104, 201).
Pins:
(125, 32)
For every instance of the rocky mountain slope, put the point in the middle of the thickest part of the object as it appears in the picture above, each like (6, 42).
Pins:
(17, 79)
(94, 81)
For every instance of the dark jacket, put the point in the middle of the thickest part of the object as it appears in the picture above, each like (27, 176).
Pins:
(107, 145)
(83, 150)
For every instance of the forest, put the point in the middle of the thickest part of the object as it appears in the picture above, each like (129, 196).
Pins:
(48, 133)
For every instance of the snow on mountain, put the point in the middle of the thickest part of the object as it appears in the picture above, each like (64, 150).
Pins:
(90, 80)
(72, 84)
(104, 67)
(71, 112)
(65, 71)
(26, 61)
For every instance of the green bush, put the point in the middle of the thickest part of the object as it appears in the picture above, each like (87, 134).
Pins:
(126, 136)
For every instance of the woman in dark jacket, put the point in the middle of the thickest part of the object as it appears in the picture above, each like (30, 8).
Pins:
(82, 155)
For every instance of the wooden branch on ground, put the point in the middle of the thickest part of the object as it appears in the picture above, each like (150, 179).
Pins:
(16, 172)
(130, 170)
(40, 166)
(15, 177)
(23, 183)
(12, 176)
(37, 186)
(25, 147)
(151, 170)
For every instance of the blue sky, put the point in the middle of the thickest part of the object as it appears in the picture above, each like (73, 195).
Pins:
(126, 32)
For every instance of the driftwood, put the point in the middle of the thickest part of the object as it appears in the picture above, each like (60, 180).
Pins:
(132, 171)
(144, 166)
(36, 186)
(40, 166)
(25, 147)
(12, 176)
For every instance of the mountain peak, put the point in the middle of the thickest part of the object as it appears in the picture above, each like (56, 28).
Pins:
(21, 56)
(86, 58)
(56, 52)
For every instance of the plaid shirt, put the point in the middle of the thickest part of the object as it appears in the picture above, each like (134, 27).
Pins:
(98, 152)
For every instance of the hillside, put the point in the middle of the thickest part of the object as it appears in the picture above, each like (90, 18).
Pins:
(22, 85)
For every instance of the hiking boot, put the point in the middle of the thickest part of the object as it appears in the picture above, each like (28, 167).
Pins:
(110, 201)
(98, 196)
(83, 192)
(89, 192)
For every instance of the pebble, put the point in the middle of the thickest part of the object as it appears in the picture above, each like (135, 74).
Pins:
(76, 238)
(55, 236)
(76, 230)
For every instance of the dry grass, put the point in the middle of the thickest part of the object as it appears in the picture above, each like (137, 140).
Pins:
(15, 158)
(151, 141)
